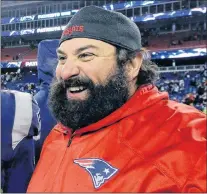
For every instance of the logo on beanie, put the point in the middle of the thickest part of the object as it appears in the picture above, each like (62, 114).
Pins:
(71, 29)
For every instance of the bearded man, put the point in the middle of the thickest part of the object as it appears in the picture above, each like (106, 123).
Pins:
(116, 132)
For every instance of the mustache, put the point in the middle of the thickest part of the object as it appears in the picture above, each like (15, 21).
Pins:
(74, 82)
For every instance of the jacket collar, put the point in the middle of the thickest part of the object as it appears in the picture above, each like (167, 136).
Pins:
(144, 97)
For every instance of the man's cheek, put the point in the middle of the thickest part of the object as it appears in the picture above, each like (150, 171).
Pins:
(58, 72)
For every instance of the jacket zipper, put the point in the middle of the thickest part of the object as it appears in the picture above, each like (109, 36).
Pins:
(70, 140)
(74, 134)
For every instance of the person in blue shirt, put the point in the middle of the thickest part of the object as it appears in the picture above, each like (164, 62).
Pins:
(20, 122)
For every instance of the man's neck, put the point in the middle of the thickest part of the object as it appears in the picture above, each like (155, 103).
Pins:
(132, 89)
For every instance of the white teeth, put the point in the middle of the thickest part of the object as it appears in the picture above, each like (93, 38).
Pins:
(74, 89)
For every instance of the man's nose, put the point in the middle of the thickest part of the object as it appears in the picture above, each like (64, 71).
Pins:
(69, 70)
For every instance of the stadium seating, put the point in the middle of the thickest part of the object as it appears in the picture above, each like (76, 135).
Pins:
(25, 82)
(155, 43)
(18, 53)
(185, 87)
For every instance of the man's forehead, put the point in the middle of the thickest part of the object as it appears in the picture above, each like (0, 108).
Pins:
(75, 44)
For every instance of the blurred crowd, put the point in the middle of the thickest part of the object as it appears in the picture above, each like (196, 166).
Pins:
(186, 87)
(17, 81)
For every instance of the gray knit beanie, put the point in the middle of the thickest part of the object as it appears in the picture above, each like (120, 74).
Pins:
(100, 24)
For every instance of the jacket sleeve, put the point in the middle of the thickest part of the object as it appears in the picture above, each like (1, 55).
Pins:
(196, 181)
(18, 171)
(20, 123)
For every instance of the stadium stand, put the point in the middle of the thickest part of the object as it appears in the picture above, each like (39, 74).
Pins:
(180, 85)
(15, 3)
(11, 54)
(186, 87)
(24, 82)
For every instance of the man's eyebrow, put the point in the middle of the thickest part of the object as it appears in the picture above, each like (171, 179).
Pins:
(59, 51)
(84, 48)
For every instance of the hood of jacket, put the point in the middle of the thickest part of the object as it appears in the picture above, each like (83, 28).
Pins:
(47, 60)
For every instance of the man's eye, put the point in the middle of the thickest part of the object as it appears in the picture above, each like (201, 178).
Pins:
(61, 58)
(86, 56)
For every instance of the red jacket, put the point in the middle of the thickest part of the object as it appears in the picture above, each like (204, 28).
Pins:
(150, 144)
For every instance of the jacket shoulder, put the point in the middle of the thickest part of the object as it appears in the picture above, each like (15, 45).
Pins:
(165, 117)
(168, 134)
(165, 126)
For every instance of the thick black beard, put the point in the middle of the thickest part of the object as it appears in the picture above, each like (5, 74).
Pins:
(102, 100)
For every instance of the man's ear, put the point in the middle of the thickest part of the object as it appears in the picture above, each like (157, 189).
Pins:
(134, 66)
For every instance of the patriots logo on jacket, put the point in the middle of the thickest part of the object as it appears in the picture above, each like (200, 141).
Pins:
(99, 170)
